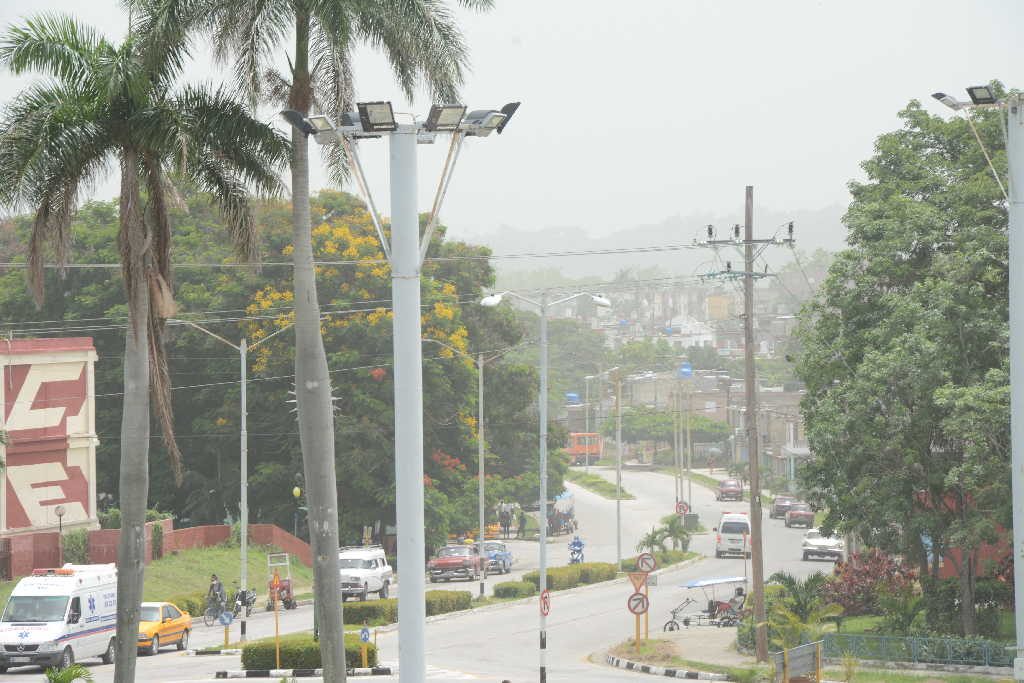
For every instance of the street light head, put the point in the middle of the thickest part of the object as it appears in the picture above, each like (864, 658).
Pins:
(445, 117)
(491, 300)
(736, 231)
(711, 232)
(299, 121)
(321, 124)
(601, 300)
(376, 117)
(483, 122)
(981, 94)
(950, 102)
(508, 110)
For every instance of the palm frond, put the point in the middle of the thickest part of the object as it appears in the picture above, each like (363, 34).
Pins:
(164, 29)
(52, 44)
(249, 30)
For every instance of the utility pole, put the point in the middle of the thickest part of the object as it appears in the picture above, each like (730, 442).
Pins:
(674, 403)
(750, 389)
(753, 454)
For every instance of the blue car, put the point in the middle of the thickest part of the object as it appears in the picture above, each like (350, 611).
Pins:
(499, 558)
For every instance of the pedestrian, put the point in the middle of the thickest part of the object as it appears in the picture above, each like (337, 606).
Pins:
(521, 531)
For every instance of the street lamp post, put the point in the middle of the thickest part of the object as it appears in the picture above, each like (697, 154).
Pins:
(243, 503)
(405, 252)
(983, 97)
(543, 305)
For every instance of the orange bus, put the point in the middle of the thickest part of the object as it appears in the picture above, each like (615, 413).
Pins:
(584, 448)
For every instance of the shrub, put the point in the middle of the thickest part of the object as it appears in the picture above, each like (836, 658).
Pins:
(110, 518)
(300, 651)
(193, 603)
(595, 572)
(570, 576)
(158, 541)
(76, 546)
(372, 611)
(442, 602)
(514, 589)
(663, 558)
(860, 582)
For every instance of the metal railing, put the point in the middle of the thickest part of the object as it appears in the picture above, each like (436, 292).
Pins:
(919, 649)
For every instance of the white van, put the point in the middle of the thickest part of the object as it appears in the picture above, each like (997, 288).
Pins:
(733, 535)
(56, 617)
(364, 569)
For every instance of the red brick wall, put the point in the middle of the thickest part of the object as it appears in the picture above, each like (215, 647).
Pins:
(271, 534)
(195, 537)
(103, 545)
(31, 551)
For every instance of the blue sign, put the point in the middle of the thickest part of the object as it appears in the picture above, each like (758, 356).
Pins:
(572, 398)
(364, 635)
(685, 370)
(225, 618)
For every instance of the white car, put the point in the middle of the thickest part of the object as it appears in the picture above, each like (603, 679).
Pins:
(816, 545)
(364, 569)
(732, 535)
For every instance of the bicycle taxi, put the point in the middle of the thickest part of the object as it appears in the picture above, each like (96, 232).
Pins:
(723, 604)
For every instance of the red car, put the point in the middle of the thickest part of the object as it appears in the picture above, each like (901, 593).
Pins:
(729, 489)
(800, 514)
(457, 562)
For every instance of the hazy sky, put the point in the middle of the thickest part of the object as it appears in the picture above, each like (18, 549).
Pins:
(636, 111)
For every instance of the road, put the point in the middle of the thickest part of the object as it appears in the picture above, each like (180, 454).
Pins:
(500, 642)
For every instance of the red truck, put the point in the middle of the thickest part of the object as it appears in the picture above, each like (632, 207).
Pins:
(800, 514)
(457, 562)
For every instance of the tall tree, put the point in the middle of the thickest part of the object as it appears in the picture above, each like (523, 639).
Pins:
(905, 348)
(104, 104)
(421, 41)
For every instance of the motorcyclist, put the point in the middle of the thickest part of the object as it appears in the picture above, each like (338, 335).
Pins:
(575, 550)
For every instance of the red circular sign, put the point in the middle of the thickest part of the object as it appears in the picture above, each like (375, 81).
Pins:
(645, 562)
(682, 508)
(545, 602)
(638, 603)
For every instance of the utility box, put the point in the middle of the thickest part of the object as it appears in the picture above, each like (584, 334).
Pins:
(691, 521)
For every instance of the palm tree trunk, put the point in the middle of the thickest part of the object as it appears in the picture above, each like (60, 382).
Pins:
(313, 393)
(134, 481)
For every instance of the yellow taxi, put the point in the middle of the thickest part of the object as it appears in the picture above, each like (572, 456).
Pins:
(162, 623)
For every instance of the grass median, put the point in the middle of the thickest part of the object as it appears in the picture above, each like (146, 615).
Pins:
(597, 484)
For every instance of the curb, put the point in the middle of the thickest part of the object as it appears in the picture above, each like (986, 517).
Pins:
(196, 653)
(300, 673)
(661, 671)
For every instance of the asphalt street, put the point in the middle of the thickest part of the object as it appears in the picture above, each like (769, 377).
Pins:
(501, 642)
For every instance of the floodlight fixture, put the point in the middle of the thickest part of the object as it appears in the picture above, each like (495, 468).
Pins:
(789, 229)
(483, 122)
(491, 300)
(508, 110)
(299, 121)
(948, 100)
(322, 124)
(736, 231)
(601, 300)
(376, 117)
(445, 117)
(982, 94)
(711, 232)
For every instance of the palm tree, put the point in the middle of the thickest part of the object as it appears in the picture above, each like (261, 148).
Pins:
(801, 595)
(676, 532)
(421, 42)
(71, 674)
(801, 614)
(653, 541)
(105, 105)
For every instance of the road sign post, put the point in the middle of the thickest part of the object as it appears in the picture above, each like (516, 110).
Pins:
(545, 603)
(225, 618)
(364, 637)
(638, 604)
(645, 562)
(275, 587)
(682, 508)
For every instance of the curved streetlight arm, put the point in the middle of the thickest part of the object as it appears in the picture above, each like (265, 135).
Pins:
(216, 336)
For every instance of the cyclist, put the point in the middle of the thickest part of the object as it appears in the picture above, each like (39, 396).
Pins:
(215, 594)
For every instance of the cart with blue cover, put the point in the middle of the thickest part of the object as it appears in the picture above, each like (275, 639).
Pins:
(724, 600)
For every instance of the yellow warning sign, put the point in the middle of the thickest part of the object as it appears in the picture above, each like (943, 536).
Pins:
(638, 579)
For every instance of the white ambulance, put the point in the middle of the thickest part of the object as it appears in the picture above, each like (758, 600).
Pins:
(56, 617)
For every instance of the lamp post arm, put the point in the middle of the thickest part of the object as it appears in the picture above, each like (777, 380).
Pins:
(271, 335)
(577, 295)
(523, 298)
(236, 347)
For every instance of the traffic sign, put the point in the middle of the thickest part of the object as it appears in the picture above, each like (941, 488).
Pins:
(681, 507)
(685, 370)
(225, 618)
(638, 603)
(364, 634)
(645, 562)
(545, 602)
(275, 583)
(638, 579)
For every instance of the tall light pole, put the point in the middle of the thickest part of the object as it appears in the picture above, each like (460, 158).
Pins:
(543, 305)
(480, 361)
(243, 501)
(405, 251)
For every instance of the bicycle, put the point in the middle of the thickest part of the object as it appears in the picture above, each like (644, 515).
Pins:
(214, 608)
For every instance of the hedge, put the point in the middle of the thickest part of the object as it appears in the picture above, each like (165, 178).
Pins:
(570, 576)
(371, 612)
(514, 589)
(662, 557)
(193, 603)
(442, 602)
(300, 651)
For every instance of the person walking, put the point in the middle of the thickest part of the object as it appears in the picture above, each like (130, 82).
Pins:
(521, 531)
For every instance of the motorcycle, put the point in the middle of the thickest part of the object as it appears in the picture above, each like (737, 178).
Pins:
(576, 551)
(243, 599)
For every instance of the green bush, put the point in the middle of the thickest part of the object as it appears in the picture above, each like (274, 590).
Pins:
(514, 589)
(371, 612)
(110, 518)
(662, 557)
(76, 546)
(442, 602)
(300, 651)
(595, 572)
(570, 576)
(158, 541)
(193, 603)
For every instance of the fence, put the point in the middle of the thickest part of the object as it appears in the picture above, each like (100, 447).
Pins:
(919, 650)
(800, 663)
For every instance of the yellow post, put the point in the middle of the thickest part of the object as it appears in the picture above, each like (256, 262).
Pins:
(225, 636)
(818, 668)
(785, 666)
(638, 633)
(277, 635)
(647, 614)
(366, 662)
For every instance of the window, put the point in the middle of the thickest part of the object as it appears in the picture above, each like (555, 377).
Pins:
(170, 612)
(735, 528)
(36, 608)
(75, 613)
(150, 613)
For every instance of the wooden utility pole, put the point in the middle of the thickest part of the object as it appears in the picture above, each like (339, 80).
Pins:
(753, 452)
